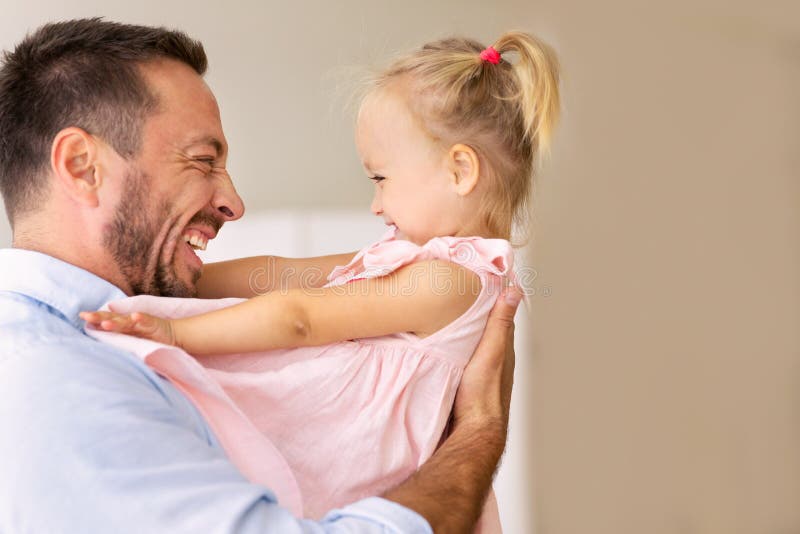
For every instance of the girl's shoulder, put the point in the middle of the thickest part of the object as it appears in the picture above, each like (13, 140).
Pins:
(482, 255)
(485, 257)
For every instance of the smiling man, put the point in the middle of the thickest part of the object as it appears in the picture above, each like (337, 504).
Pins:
(176, 192)
(113, 170)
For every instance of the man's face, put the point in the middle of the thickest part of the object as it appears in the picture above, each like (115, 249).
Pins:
(176, 189)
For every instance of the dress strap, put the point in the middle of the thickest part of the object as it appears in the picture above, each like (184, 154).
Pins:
(344, 273)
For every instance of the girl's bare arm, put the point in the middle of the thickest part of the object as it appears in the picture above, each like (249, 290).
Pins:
(420, 298)
(257, 275)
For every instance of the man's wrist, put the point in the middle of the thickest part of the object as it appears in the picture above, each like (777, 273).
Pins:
(490, 431)
(450, 488)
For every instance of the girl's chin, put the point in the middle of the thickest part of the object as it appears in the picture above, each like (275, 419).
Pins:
(399, 234)
(405, 237)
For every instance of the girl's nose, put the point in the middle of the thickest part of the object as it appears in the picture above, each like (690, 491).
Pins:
(376, 206)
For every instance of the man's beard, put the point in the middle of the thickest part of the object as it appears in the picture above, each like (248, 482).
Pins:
(131, 239)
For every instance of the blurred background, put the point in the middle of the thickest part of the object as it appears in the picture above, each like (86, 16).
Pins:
(658, 362)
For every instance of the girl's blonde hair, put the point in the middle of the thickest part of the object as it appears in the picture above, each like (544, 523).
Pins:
(506, 112)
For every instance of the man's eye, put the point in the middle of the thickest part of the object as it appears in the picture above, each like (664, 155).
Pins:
(207, 162)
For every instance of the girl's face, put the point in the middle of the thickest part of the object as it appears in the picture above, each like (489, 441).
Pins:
(414, 185)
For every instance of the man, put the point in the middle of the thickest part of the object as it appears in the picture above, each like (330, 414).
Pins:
(111, 155)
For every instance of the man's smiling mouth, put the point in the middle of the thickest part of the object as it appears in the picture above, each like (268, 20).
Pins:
(199, 232)
(195, 240)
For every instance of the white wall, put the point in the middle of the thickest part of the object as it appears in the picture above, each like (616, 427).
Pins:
(5, 232)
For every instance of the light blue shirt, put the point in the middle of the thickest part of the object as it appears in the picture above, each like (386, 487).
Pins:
(92, 440)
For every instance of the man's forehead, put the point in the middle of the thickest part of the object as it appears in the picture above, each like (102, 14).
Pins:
(178, 87)
(187, 112)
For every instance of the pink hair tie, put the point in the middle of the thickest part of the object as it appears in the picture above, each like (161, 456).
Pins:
(491, 55)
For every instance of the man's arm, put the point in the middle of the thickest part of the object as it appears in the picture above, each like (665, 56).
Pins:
(96, 442)
(257, 275)
(99, 443)
(449, 489)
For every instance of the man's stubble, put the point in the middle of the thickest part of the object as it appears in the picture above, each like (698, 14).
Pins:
(131, 240)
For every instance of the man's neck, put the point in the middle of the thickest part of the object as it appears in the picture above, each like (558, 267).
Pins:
(69, 250)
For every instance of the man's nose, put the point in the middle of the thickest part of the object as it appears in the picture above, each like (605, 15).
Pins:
(227, 201)
(376, 207)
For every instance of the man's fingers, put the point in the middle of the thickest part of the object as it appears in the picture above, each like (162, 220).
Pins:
(485, 390)
(495, 350)
(506, 306)
(501, 319)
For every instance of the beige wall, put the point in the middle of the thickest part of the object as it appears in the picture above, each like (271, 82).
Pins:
(666, 376)
(665, 364)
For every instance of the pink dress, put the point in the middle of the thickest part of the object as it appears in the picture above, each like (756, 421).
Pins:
(328, 425)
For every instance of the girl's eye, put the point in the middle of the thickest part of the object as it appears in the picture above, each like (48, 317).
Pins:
(377, 179)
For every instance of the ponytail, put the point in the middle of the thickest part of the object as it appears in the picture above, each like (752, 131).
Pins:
(537, 73)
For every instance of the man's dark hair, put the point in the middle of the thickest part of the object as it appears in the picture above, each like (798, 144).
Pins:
(82, 73)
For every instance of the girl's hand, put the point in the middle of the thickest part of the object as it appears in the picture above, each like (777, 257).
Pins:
(134, 324)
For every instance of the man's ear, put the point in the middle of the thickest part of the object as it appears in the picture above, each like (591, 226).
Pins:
(465, 166)
(73, 159)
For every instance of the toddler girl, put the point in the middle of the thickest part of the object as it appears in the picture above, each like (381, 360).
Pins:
(357, 387)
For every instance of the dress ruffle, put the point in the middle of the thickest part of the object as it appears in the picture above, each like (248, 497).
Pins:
(483, 256)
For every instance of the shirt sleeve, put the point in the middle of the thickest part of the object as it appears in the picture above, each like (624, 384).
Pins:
(91, 440)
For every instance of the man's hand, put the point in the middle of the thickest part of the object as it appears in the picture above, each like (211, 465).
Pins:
(449, 489)
(484, 395)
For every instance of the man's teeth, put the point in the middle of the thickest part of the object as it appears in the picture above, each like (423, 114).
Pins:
(197, 242)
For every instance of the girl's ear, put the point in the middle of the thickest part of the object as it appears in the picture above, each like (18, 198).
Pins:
(73, 161)
(465, 166)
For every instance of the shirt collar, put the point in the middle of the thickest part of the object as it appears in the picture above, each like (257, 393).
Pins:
(61, 285)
